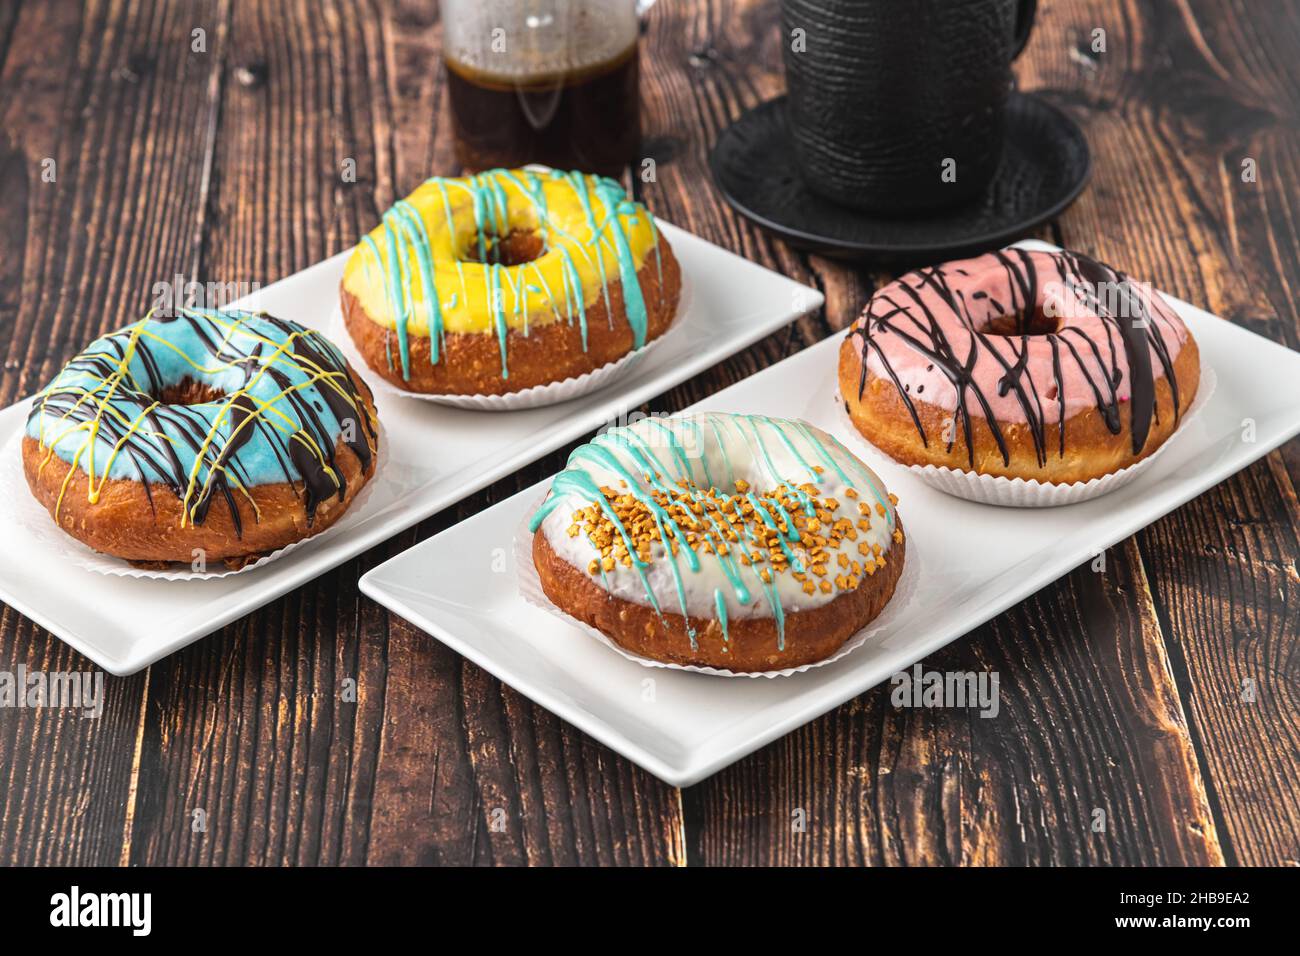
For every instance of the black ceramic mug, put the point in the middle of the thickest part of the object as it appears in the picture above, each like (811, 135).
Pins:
(897, 106)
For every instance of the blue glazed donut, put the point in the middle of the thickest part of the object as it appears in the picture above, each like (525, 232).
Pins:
(142, 434)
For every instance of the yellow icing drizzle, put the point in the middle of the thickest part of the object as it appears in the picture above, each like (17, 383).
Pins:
(91, 398)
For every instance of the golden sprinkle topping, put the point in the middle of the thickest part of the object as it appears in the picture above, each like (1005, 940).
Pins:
(772, 532)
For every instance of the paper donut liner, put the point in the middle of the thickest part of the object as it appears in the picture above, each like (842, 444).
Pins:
(552, 393)
(17, 502)
(530, 589)
(1031, 493)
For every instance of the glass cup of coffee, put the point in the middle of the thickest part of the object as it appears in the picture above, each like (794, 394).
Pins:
(544, 81)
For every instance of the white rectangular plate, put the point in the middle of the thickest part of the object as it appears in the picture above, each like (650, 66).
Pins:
(978, 560)
(436, 456)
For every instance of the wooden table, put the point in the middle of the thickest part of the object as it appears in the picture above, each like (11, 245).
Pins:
(1121, 691)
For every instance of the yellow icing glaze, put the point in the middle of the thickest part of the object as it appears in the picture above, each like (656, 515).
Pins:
(572, 213)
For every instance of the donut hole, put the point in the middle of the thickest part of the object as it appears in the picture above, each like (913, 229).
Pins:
(1023, 323)
(513, 249)
(190, 392)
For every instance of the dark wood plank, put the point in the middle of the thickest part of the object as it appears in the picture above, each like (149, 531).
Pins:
(107, 93)
(1121, 691)
(250, 726)
(943, 787)
(1187, 93)
(1089, 720)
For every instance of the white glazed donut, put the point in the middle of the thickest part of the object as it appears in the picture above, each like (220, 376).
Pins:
(781, 544)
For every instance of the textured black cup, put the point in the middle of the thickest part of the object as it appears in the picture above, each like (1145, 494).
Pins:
(896, 106)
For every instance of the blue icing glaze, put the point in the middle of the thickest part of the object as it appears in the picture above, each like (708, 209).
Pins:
(285, 395)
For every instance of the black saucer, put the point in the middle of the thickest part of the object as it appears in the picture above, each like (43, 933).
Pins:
(1045, 164)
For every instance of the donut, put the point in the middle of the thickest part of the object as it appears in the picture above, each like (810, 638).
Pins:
(201, 436)
(731, 541)
(1036, 365)
(506, 280)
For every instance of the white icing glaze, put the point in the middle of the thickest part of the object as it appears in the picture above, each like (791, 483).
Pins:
(715, 450)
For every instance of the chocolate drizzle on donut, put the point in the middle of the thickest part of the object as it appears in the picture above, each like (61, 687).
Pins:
(1131, 330)
(274, 381)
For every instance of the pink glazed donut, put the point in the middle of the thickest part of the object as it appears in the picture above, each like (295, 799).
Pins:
(1044, 365)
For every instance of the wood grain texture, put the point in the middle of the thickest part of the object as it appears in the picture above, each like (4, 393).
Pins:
(1188, 95)
(950, 802)
(435, 762)
(1088, 721)
(322, 730)
(81, 90)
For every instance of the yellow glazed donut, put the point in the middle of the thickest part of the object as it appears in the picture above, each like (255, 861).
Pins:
(505, 280)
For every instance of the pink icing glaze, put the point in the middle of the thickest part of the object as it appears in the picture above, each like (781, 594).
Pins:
(986, 287)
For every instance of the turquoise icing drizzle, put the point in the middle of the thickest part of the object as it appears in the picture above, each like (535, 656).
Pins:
(403, 228)
(417, 237)
(672, 456)
(720, 609)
